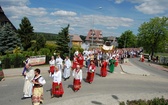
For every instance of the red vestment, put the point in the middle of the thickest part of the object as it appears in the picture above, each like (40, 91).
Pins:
(57, 89)
(52, 69)
(76, 84)
(103, 72)
(90, 73)
(80, 60)
(75, 62)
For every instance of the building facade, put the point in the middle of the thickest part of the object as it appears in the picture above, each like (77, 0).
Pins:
(94, 38)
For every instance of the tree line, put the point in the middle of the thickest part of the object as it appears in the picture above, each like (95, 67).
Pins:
(152, 36)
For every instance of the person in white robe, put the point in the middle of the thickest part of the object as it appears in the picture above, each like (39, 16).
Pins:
(29, 75)
(67, 68)
(59, 62)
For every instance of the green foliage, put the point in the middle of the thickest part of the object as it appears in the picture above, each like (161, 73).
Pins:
(127, 40)
(62, 42)
(153, 35)
(8, 39)
(40, 42)
(44, 51)
(155, 101)
(47, 36)
(50, 45)
(25, 33)
(13, 59)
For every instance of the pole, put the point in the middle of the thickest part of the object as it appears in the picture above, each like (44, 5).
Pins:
(70, 45)
(92, 35)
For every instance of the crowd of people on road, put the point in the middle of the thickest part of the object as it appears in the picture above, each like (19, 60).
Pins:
(59, 68)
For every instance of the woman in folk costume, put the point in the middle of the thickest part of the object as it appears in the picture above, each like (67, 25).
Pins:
(103, 71)
(77, 74)
(38, 82)
(90, 72)
(111, 64)
(52, 64)
(75, 62)
(57, 88)
(67, 68)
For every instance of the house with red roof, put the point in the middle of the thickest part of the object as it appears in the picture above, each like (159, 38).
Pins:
(94, 38)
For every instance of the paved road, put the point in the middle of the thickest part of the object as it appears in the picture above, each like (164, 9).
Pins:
(150, 67)
(118, 86)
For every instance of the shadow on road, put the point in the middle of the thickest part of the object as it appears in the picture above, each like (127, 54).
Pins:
(97, 103)
(70, 86)
(98, 74)
(115, 97)
(49, 90)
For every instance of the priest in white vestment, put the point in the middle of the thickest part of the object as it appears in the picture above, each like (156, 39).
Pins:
(67, 68)
(29, 75)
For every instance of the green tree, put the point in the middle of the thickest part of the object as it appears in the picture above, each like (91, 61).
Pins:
(127, 40)
(62, 42)
(153, 35)
(40, 42)
(25, 33)
(8, 39)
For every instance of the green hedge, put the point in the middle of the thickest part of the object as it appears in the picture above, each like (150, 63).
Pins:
(16, 60)
(155, 101)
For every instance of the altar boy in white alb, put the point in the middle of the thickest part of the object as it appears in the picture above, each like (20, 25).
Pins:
(67, 68)
(59, 62)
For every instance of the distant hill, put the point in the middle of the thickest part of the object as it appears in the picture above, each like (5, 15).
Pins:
(48, 36)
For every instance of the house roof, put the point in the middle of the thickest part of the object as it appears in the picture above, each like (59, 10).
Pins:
(4, 18)
(97, 34)
(76, 38)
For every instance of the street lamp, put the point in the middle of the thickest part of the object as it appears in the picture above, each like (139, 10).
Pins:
(70, 44)
(92, 33)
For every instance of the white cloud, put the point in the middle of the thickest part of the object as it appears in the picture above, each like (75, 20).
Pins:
(64, 13)
(118, 1)
(14, 2)
(148, 6)
(151, 6)
(25, 11)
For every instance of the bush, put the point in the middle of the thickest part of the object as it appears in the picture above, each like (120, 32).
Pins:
(155, 101)
(44, 51)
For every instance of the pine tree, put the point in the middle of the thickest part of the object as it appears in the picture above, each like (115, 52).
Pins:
(62, 42)
(25, 33)
(9, 39)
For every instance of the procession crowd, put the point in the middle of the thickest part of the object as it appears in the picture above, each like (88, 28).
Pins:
(59, 68)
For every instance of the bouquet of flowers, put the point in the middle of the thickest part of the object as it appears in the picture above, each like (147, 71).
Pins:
(57, 87)
(92, 70)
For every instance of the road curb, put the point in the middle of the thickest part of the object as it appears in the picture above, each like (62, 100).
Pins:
(132, 73)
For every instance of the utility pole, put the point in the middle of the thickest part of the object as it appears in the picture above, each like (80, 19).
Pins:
(70, 45)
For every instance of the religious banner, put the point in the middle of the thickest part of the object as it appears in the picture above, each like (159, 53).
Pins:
(107, 48)
(37, 60)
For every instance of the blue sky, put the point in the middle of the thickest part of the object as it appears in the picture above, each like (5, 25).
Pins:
(113, 17)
